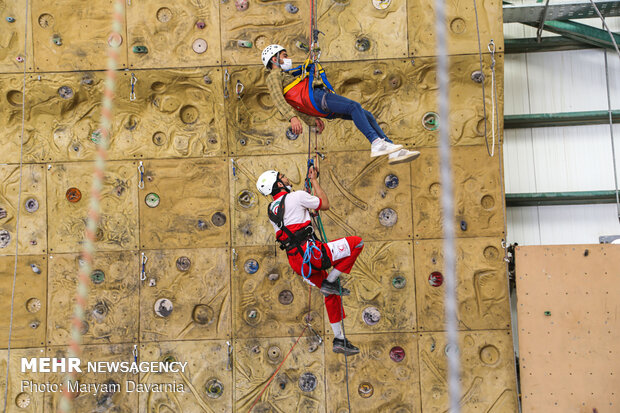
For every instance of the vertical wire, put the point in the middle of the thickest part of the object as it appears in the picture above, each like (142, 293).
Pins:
(611, 133)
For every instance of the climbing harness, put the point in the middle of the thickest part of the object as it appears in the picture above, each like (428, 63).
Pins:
(300, 94)
(484, 104)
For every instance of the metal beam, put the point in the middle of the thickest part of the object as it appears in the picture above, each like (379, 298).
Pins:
(580, 32)
(548, 44)
(532, 13)
(541, 120)
(560, 198)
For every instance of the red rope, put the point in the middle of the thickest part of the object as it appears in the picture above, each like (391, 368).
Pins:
(275, 372)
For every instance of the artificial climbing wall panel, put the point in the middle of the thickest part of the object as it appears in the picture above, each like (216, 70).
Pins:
(28, 299)
(113, 295)
(73, 35)
(32, 229)
(186, 266)
(21, 400)
(568, 297)
(181, 34)
(12, 36)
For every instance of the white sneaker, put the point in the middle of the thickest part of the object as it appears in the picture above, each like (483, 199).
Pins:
(403, 155)
(382, 147)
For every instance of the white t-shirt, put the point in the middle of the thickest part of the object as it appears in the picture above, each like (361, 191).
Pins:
(296, 209)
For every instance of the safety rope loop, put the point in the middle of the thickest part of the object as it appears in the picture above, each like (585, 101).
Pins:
(309, 253)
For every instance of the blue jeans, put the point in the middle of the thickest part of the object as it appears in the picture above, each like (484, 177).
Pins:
(348, 109)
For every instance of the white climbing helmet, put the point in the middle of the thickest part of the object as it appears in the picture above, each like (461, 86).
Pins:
(265, 182)
(270, 51)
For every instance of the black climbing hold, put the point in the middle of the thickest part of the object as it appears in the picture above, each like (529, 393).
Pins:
(291, 8)
(362, 44)
(307, 382)
(290, 135)
(463, 225)
(218, 219)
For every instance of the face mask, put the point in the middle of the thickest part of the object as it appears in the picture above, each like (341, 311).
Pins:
(289, 187)
(287, 64)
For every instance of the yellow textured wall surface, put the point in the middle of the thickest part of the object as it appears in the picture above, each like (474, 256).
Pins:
(187, 268)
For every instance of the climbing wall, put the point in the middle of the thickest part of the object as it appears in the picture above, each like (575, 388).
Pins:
(187, 268)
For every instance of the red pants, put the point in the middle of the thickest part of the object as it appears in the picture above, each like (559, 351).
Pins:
(345, 251)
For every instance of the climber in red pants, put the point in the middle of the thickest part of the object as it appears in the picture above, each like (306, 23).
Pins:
(290, 216)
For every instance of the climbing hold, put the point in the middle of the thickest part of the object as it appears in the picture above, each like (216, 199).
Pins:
(244, 43)
(290, 135)
(159, 138)
(99, 311)
(489, 355)
(477, 76)
(183, 263)
(307, 382)
(458, 25)
(201, 225)
(202, 314)
(46, 20)
(57, 40)
(397, 354)
(547, 313)
(274, 353)
(164, 15)
(463, 225)
(430, 121)
(152, 200)
(10, 19)
(207, 79)
(365, 390)
(435, 279)
(33, 305)
(388, 217)
(273, 276)
(199, 46)
(169, 359)
(242, 5)
(35, 268)
(19, 59)
(65, 92)
(246, 198)
(303, 46)
(31, 205)
(381, 4)
(399, 282)
(450, 349)
(391, 181)
(218, 219)
(291, 8)
(140, 49)
(115, 40)
(152, 282)
(200, 24)
(252, 316)
(5, 238)
(97, 277)
(73, 195)
(285, 297)
(96, 137)
(371, 316)
(214, 388)
(362, 44)
(163, 307)
(2, 213)
(22, 400)
(251, 266)
(189, 114)
(36, 323)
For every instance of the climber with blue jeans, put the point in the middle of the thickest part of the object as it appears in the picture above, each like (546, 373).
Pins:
(297, 97)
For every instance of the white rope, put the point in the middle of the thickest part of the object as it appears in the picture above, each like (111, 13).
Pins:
(19, 203)
(447, 203)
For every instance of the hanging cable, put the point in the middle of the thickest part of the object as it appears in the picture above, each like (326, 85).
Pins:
(19, 201)
(613, 39)
(447, 204)
(611, 133)
(484, 103)
(494, 108)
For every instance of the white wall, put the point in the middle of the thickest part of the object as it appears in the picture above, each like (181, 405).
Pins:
(558, 159)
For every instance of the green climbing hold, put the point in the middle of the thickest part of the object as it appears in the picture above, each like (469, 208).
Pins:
(140, 49)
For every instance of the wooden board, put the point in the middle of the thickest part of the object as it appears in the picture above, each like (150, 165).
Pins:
(567, 313)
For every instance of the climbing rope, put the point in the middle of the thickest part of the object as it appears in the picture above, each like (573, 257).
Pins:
(94, 212)
(447, 203)
(484, 103)
(494, 108)
(19, 202)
